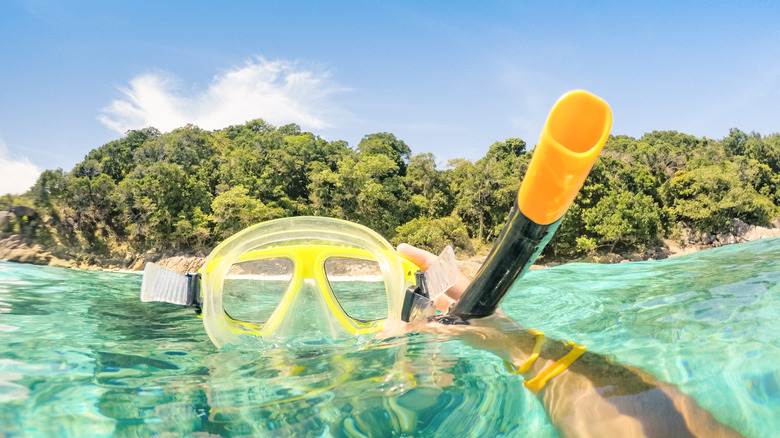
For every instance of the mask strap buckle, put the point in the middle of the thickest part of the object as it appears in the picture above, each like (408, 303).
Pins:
(440, 276)
(166, 286)
(417, 302)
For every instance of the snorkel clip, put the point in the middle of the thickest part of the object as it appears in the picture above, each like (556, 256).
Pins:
(417, 301)
(193, 291)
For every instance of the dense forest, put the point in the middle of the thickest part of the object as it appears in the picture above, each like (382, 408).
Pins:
(190, 188)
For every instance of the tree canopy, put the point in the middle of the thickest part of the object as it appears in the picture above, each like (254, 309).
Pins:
(190, 188)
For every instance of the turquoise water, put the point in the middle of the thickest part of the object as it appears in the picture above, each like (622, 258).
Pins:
(81, 356)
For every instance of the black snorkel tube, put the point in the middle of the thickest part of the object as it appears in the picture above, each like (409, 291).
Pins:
(575, 132)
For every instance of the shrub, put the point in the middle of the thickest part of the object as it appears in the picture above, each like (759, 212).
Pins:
(434, 234)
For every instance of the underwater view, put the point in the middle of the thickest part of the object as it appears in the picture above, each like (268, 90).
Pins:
(80, 355)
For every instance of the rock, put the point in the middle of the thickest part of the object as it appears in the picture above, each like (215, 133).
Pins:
(470, 267)
(635, 257)
(138, 264)
(762, 233)
(739, 228)
(725, 239)
(59, 263)
(609, 257)
(22, 211)
(14, 249)
(182, 264)
(751, 230)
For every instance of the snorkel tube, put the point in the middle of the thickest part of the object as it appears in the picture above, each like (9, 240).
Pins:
(575, 132)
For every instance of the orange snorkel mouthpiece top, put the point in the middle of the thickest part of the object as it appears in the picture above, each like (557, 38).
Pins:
(576, 130)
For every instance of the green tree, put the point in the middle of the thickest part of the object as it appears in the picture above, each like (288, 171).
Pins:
(366, 187)
(735, 142)
(630, 219)
(380, 193)
(709, 197)
(48, 189)
(89, 214)
(434, 234)
(116, 158)
(155, 196)
(602, 214)
(430, 192)
(765, 151)
(486, 190)
(192, 231)
(235, 210)
(384, 143)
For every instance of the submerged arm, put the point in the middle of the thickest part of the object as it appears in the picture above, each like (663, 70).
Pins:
(593, 397)
(597, 397)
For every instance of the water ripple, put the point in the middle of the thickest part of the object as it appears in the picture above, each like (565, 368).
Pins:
(81, 356)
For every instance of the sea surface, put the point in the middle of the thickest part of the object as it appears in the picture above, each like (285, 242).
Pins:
(81, 356)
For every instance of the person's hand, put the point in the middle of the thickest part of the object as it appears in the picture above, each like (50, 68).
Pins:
(424, 259)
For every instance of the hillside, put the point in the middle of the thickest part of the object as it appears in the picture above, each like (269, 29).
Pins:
(151, 195)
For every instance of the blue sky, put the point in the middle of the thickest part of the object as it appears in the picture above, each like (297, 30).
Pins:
(447, 77)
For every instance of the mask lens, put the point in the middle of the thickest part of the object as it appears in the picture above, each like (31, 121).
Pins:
(358, 286)
(252, 289)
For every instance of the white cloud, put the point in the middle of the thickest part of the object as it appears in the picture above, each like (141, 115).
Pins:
(279, 92)
(17, 174)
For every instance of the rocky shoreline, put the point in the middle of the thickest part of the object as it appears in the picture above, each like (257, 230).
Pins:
(15, 248)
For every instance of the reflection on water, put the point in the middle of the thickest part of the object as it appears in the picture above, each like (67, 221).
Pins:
(81, 356)
(405, 385)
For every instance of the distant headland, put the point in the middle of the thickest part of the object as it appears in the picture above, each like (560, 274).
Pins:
(171, 197)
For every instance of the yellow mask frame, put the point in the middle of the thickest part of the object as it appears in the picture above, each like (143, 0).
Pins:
(308, 242)
(308, 263)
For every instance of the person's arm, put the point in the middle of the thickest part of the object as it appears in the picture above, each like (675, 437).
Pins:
(593, 397)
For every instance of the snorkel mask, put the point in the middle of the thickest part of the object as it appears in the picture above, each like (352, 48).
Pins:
(300, 275)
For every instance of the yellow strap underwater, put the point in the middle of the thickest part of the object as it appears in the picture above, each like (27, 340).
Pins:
(537, 383)
(525, 366)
